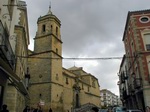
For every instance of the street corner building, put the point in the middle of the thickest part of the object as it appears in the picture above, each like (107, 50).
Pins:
(134, 73)
(51, 85)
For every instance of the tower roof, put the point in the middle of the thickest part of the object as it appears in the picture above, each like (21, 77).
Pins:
(49, 15)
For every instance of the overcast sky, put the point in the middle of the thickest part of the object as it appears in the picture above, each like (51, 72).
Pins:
(90, 29)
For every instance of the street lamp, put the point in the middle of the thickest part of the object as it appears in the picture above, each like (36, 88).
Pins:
(27, 78)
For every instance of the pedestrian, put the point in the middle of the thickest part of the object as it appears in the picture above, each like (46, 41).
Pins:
(95, 109)
(147, 109)
(35, 110)
(26, 109)
(109, 110)
(4, 108)
(38, 109)
(31, 109)
(50, 110)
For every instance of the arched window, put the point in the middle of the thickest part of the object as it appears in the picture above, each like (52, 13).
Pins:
(67, 80)
(57, 77)
(77, 100)
(56, 50)
(88, 89)
(51, 28)
(57, 31)
(43, 28)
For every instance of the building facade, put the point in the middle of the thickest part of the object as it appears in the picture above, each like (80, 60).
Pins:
(13, 37)
(108, 99)
(135, 68)
(51, 85)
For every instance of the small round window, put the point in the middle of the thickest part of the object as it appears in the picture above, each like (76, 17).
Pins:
(144, 19)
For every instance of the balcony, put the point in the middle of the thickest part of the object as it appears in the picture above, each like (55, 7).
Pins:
(6, 52)
(125, 96)
(137, 83)
(131, 89)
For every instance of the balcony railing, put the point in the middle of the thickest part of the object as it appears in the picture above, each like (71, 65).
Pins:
(125, 94)
(6, 52)
(131, 89)
(137, 83)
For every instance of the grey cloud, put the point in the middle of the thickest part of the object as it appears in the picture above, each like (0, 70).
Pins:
(90, 28)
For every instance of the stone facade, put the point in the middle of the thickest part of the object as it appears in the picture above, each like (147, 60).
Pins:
(15, 39)
(17, 102)
(51, 85)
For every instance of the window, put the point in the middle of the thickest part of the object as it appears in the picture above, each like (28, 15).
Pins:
(88, 89)
(43, 28)
(144, 19)
(57, 31)
(82, 87)
(148, 47)
(56, 50)
(77, 100)
(122, 77)
(93, 83)
(57, 77)
(67, 80)
(51, 28)
(137, 72)
(147, 41)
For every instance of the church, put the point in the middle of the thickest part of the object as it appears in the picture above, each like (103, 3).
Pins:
(52, 85)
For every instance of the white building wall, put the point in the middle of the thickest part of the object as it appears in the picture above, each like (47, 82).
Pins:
(10, 22)
(4, 14)
(110, 98)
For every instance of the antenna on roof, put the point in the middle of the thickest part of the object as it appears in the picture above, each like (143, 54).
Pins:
(50, 6)
(49, 12)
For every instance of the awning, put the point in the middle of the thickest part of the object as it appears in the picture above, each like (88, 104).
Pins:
(18, 83)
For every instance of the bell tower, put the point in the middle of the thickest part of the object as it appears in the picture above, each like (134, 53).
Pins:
(46, 64)
(48, 36)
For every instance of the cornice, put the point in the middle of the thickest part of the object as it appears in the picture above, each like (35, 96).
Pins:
(31, 55)
(35, 83)
(48, 34)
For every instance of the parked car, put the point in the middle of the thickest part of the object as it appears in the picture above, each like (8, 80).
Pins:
(134, 110)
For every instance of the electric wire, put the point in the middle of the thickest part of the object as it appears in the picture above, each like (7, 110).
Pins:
(82, 58)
